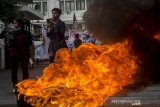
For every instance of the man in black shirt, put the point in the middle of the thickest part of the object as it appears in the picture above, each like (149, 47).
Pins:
(56, 30)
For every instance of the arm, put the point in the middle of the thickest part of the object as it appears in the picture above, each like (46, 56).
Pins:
(49, 33)
(61, 29)
(50, 30)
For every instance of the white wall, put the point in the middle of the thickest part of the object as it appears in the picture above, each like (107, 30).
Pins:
(66, 17)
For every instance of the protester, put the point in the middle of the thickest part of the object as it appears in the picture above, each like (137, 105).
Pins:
(19, 45)
(88, 39)
(77, 41)
(93, 38)
(56, 31)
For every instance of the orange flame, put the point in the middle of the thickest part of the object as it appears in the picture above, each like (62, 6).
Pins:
(83, 77)
(157, 36)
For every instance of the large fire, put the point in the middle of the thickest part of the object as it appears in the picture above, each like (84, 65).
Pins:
(83, 77)
(157, 36)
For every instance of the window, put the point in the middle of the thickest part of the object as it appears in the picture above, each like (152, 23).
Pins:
(38, 6)
(61, 5)
(70, 5)
(41, 7)
(44, 7)
(80, 4)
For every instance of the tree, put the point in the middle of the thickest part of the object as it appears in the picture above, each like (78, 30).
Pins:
(7, 10)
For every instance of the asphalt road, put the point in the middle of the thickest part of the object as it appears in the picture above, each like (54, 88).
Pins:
(7, 97)
(149, 97)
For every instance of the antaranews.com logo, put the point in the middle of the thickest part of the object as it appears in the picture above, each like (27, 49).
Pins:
(109, 101)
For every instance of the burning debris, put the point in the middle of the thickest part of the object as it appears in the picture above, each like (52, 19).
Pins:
(83, 78)
(89, 74)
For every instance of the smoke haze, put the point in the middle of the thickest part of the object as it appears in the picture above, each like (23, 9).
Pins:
(114, 20)
(109, 19)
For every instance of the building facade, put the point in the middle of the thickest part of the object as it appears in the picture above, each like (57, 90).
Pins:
(68, 7)
(27, 11)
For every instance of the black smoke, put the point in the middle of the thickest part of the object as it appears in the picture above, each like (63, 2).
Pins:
(109, 19)
(114, 20)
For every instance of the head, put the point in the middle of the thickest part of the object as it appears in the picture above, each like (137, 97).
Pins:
(87, 35)
(91, 35)
(56, 13)
(18, 23)
(77, 35)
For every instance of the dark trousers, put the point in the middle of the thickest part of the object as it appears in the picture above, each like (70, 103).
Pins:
(23, 61)
(52, 57)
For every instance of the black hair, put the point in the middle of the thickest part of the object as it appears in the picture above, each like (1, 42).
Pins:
(57, 10)
(20, 22)
(76, 35)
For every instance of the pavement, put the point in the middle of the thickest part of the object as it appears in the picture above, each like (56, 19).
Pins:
(7, 97)
(149, 97)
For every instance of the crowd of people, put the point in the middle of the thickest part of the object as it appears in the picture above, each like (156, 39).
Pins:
(21, 47)
(78, 39)
(56, 29)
